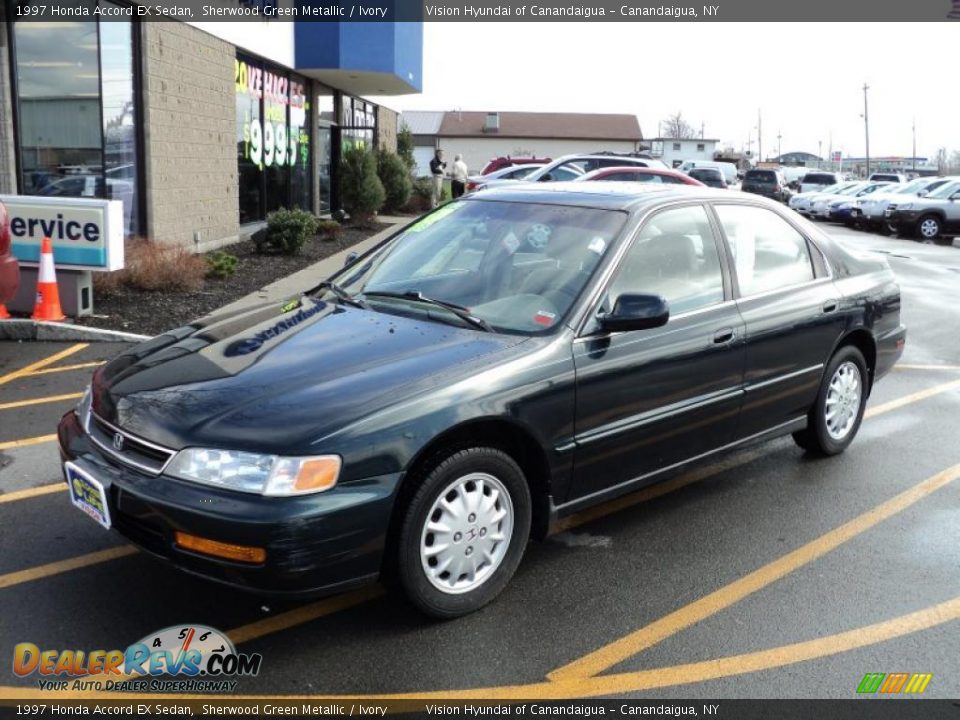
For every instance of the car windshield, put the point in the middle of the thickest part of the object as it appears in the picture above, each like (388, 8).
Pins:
(853, 189)
(945, 191)
(912, 187)
(516, 266)
(761, 176)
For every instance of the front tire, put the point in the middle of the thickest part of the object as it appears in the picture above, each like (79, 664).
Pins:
(929, 228)
(835, 417)
(463, 532)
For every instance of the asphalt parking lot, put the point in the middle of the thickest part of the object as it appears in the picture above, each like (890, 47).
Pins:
(765, 574)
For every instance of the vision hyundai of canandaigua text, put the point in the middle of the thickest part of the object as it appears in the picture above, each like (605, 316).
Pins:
(506, 360)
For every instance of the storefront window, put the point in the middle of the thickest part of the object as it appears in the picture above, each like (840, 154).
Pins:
(273, 139)
(326, 129)
(78, 116)
(359, 123)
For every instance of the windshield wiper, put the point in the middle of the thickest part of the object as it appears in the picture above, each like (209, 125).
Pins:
(459, 310)
(341, 294)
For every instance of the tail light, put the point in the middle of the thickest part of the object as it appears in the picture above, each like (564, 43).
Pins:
(471, 187)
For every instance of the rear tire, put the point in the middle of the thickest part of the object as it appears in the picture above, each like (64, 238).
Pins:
(834, 419)
(463, 532)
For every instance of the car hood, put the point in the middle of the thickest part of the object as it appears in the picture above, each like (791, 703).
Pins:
(278, 376)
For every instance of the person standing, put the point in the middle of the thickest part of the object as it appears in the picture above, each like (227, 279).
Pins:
(437, 171)
(458, 184)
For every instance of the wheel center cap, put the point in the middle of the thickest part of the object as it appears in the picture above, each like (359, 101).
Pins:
(472, 534)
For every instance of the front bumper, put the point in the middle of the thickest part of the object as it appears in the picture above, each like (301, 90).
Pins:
(315, 544)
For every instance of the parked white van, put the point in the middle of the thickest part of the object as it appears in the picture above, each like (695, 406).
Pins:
(729, 170)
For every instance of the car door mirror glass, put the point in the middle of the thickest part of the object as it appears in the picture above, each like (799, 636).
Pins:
(636, 311)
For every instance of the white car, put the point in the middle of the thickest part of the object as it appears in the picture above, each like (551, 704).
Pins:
(870, 211)
(820, 208)
(513, 172)
(801, 202)
(570, 167)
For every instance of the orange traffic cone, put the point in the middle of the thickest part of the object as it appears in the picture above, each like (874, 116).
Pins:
(4, 315)
(48, 295)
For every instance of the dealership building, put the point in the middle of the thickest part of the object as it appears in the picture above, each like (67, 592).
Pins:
(199, 128)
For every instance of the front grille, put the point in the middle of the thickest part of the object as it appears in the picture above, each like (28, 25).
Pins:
(133, 451)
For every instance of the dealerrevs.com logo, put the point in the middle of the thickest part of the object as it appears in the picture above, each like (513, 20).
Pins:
(197, 657)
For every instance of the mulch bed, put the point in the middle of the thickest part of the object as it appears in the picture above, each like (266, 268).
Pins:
(150, 312)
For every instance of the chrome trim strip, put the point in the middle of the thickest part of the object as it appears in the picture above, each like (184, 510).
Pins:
(781, 378)
(135, 438)
(652, 416)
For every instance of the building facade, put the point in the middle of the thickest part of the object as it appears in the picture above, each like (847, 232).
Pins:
(483, 136)
(674, 151)
(199, 128)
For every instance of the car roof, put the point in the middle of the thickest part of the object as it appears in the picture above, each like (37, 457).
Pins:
(627, 196)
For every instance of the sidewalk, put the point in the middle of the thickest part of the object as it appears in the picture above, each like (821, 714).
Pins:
(313, 274)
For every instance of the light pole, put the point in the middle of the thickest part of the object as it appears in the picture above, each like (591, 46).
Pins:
(820, 151)
(913, 160)
(866, 126)
(779, 149)
(759, 136)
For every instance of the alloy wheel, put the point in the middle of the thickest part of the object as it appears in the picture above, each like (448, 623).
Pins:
(843, 400)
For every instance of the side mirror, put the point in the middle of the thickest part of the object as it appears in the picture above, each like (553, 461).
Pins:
(351, 257)
(955, 196)
(636, 312)
(923, 193)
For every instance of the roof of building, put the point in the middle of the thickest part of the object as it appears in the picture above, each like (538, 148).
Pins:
(421, 122)
(579, 126)
(695, 139)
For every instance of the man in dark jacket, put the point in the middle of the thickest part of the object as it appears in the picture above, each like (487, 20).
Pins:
(437, 170)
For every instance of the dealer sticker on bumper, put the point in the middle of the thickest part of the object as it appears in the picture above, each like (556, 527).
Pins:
(88, 494)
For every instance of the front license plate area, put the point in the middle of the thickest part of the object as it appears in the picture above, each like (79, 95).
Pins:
(88, 494)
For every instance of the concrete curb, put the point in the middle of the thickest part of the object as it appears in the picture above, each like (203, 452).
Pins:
(63, 332)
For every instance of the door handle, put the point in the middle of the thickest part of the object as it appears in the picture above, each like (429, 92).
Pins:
(830, 306)
(724, 336)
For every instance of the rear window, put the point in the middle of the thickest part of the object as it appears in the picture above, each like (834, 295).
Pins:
(819, 179)
(761, 176)
(705, 173)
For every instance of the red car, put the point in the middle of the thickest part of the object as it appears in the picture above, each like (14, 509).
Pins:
(502, 162)
(9, 268)
(639, 174)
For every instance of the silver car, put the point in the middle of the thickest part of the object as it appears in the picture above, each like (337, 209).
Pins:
(931, 218)
(801, 201)
(870, 211)
(820, 208)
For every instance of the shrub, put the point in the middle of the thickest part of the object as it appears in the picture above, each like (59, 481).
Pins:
(360, 189)
(151, 265)
(328, 229)
(395, 177)
(289, 230)
(419, 200)
(221, 265)
(405, 147)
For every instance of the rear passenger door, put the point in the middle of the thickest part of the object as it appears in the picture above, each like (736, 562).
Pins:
(791, 310)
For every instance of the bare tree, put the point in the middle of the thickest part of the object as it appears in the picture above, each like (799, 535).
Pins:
(674, 126)
(953, 163)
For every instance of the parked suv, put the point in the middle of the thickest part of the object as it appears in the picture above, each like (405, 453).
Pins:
(9, 268)
(769, 183)
(814, 181)
(930, 218)
(888, 177)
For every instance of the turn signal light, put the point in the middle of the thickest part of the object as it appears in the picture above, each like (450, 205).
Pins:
(204, 546)
(317, 475)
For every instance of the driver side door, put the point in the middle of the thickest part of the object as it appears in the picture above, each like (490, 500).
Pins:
(647, 400)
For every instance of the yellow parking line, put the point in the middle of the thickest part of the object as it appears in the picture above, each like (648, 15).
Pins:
(32, 492)
(32, 367)
(62, 566)
(39, 401)
(709, 605)
(24, 442)
(66, 368)
(912, 398)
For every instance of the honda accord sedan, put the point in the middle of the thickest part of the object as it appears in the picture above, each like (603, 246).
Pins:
(507, 360)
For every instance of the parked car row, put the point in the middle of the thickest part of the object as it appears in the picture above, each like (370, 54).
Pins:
(927, 208)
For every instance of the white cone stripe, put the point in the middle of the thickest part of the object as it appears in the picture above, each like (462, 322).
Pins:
(47, 273)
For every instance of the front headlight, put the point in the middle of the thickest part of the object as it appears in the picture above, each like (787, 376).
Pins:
(253, 473)
(905, 206)
(83, 407)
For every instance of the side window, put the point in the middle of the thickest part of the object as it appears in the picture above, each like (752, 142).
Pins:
(768, 253)
(675, 256)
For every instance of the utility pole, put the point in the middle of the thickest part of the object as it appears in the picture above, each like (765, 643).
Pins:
(820, 150)
(866, 126)
(913, 160)
(779, 149)
(759, 136)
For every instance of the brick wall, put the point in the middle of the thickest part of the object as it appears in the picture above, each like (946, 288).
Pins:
(190, 129)
(8, 168)
(386, 129)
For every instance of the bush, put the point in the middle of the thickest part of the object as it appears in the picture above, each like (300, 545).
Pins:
(151, 265)
(419, 200)
(328, 229)
(289, 230)
(221, 265)
(360, 189)
(405, 147)
(395, 177)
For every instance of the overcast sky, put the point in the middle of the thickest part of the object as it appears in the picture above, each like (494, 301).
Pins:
(806, 79)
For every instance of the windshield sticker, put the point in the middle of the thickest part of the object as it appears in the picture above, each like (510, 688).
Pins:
(291, 304)
(510, 242)
(597, 245)
(539, 235)
(544, 318)
(438, 214)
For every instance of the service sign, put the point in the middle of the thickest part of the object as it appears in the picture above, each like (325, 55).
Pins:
(87, 233)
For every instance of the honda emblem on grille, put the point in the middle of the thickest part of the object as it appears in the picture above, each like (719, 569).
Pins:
(118, 442)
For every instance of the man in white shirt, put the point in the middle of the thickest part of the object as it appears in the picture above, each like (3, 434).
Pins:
(458, 182)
